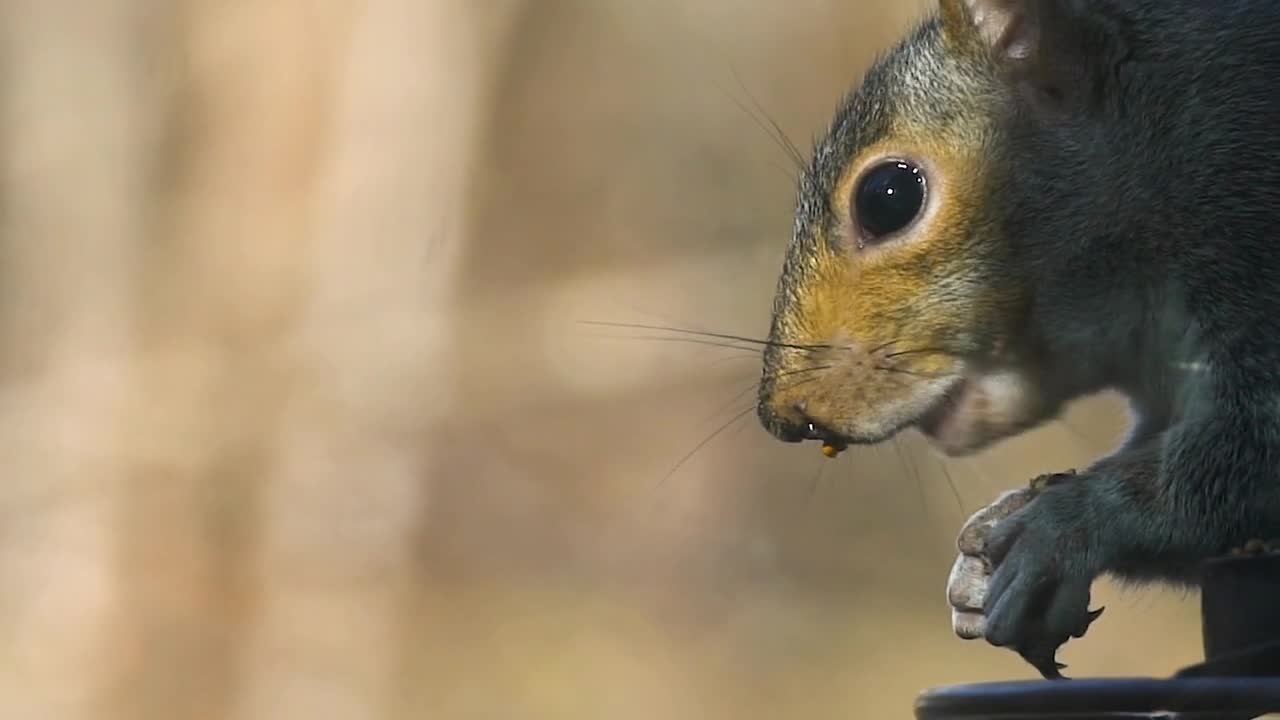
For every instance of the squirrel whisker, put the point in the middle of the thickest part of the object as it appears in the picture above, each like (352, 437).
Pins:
(738, 416)
(918, 351)
(755, 384)
(779, 136)
(692, 341)
(904, 371)
(883, 346)
(689, 455)
(705, 334)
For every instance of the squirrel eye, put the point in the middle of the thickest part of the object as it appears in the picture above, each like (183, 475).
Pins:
(888, 198)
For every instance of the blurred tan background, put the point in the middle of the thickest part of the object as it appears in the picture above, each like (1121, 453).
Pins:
(299, 416)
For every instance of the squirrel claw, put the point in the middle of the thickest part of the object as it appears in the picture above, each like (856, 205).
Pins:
(1048, 667)
(1092, 615)
(1042, 655)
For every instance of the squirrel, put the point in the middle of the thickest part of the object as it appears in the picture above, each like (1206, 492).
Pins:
(1026, 202)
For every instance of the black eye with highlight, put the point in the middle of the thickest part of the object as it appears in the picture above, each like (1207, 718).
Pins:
(888, 198)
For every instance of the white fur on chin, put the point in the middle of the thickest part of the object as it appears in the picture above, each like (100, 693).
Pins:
(988, 408)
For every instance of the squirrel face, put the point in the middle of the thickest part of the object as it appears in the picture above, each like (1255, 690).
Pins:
(895, 307)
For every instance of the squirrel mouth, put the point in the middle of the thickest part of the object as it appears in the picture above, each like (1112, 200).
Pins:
(833, 443)
(932, 422)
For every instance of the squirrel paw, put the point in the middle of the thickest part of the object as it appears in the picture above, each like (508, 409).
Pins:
(1008, 584)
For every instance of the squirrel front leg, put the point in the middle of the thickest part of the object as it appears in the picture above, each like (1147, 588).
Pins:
(1153, 511)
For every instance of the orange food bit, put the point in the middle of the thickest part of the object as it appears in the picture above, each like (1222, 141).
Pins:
(830, 450)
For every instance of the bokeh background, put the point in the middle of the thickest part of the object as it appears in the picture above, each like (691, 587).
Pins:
(301, 416)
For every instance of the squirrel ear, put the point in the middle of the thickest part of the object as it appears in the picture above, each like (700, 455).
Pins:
(1058, 50)
(1005, 28)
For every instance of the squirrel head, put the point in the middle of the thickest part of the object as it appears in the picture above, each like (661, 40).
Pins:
(904, 297)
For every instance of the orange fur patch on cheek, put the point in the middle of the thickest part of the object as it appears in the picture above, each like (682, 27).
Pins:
(901, 289)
